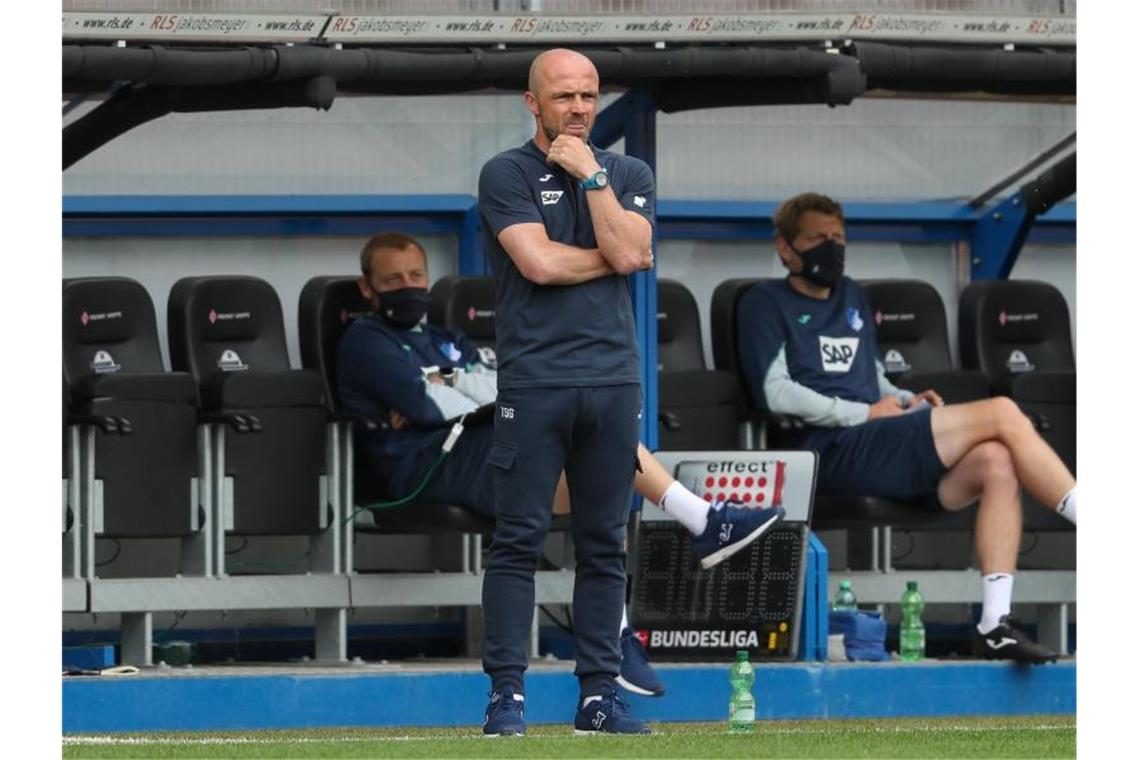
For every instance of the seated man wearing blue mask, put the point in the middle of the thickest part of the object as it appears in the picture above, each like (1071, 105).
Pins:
(807, 346)
(393, 365)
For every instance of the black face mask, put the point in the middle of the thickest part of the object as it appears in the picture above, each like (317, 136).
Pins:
(823, 264)
(403, 308)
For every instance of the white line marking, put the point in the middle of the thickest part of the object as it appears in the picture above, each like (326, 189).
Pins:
(761, 729)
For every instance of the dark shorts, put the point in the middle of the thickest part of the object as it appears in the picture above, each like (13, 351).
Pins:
(892, 458)
(463, 477)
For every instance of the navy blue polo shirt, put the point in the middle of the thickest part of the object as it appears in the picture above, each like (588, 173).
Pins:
(379, 369)
(559, 335)
(829, 345)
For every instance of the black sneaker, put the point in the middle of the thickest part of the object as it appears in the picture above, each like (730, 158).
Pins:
(1008, 642)
(607, 713)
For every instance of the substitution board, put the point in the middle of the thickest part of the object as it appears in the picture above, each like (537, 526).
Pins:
(754, 599)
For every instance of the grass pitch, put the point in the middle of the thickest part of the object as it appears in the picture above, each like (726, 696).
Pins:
(968, 738)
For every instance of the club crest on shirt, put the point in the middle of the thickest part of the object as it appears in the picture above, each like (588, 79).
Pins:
(837, 354)
(449, 350)
(854, 319)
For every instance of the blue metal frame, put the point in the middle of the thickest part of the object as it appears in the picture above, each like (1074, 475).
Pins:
(638, 118)
(285, 216)
(813, 619)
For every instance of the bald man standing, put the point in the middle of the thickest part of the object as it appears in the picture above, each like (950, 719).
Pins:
(564, 223)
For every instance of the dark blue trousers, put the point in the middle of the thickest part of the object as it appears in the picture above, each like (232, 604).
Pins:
(592, 434)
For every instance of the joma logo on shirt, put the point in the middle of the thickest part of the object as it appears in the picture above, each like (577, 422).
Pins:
(837, 354)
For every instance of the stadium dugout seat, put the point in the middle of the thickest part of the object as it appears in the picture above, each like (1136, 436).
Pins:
(268, 420)
(328, 305)
(465, 305)
(698, 408)
(132, 426)
(1018, 333)
(832, 510)
(914, 342)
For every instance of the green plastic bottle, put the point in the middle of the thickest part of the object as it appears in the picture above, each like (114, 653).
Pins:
(741, 706)
(844, 598)
(912, 634)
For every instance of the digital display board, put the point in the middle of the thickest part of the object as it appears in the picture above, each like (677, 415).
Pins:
(752, 600)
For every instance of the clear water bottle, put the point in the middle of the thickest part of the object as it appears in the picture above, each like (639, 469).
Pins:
(912, 634)
(741, 706)
(844, 598)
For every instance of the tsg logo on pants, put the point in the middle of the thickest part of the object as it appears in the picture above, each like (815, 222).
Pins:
(837, 354)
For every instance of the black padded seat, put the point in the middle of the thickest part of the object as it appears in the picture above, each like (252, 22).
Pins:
(465, 305)
(327, 306)
(831, 510)
(229, 333)
(698, 408)
(678, 329)
(914, 340)
(1018, 333)
(1009, 328)
(145, 418)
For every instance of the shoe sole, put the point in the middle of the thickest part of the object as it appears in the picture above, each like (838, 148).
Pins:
(721, 555)
(1017, 660)
(497, 736)
(584, 732)
(638, 689)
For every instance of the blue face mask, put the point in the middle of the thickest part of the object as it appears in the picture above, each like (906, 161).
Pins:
(823, 263)
(403, 308)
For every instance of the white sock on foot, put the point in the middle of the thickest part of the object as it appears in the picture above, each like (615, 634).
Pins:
(997, 597)
(686, 508)
(1068, 506)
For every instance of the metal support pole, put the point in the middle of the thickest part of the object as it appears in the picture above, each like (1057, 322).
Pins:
(332, 635)
(223, 502)
(87, 504)
(73, 537)
(198, 549)
(348, 498)
(324, 555)
(534, 634)
(137, 634)
(1053, 627)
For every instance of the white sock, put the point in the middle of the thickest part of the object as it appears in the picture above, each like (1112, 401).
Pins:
(686, 508)
(624, 619)
(1068, 506)
(997, 596)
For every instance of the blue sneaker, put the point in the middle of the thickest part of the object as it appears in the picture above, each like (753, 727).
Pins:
(732, 527)
(504, 714)
(637, 674)
(606, 713)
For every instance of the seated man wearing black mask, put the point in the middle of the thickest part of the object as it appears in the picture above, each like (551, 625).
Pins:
(393, 365)
(807, 346)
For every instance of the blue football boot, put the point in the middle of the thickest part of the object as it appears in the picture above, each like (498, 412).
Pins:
(607, 713)
(637, 675)
(731, 528)
(504, 714)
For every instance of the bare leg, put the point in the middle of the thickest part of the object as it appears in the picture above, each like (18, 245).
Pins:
(651, 482)
(987, 470)
(561, 496)
(959, 428)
